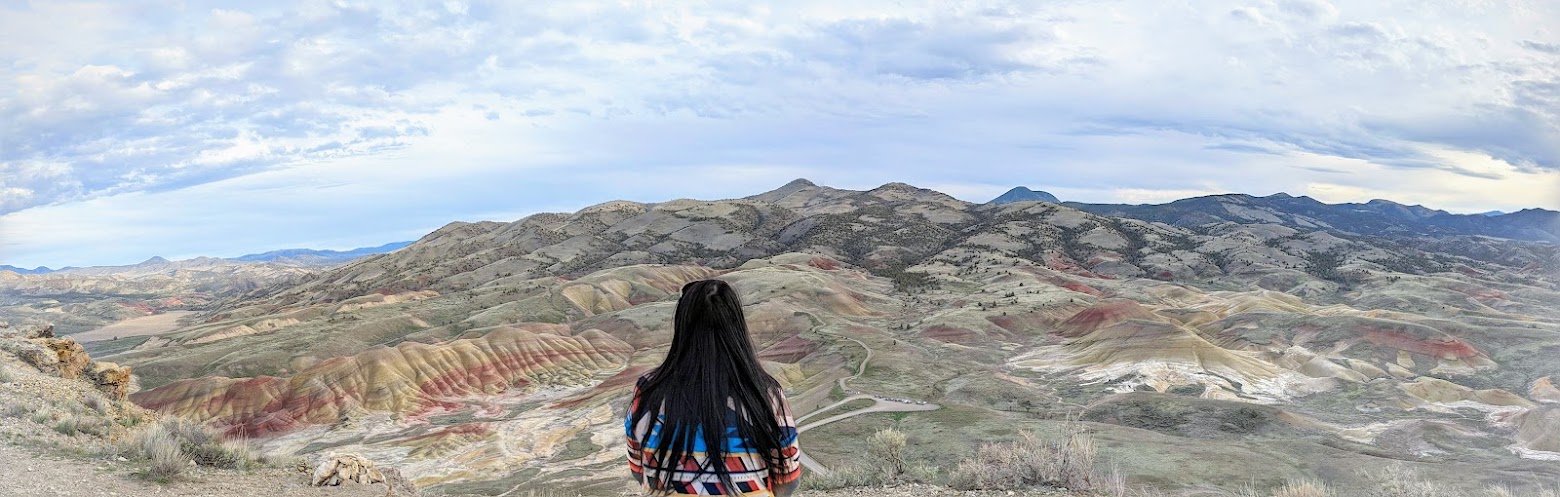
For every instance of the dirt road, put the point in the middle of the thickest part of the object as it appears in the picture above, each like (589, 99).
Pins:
(879, 405)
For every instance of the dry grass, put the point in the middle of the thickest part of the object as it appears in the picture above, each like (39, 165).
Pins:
(14, 411)
(846, 477)
(168, 462)
(1535, 492)
(207, 446)
(1401, 481)
(71, 425)
(176, 442)
(1302, 489)
(1067, 462)
(887, 462)
(99, 403)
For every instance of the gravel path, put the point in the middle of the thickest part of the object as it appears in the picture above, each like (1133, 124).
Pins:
(26, 472)
(879, 405)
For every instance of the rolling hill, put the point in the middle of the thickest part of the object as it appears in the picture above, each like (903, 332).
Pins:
(492, 356)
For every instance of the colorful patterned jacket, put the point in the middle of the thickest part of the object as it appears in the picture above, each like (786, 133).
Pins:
(748, 470)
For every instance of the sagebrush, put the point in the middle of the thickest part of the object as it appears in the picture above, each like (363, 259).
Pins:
(173, 443)
(1066, 462)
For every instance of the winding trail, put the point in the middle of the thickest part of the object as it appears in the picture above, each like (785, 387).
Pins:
(879, 404)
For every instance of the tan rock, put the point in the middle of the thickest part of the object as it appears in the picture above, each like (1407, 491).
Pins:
(34, 355)
(339, 468)
(399, 485)
(73, 359)
(114, 380)
(39, 331)
(1544, 390)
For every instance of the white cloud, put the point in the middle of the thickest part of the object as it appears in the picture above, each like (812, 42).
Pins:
(469, 106)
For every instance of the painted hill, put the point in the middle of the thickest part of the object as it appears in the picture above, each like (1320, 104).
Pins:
(1281, 352)
(1024, 194)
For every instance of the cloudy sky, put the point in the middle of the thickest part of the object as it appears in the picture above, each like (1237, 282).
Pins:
(178, 129)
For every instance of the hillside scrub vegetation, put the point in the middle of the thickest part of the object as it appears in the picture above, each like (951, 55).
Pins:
(172, 444)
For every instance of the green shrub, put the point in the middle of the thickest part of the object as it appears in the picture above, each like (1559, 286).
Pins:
(1030, 461)
(887, 462)
(887, 450)
(68, 425)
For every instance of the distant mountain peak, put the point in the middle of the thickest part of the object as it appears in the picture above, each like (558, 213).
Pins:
(799, 183)
(897, 185)
(154, 261)
(1024, 194)
(796, 185)
(20, 270)
(905, 191)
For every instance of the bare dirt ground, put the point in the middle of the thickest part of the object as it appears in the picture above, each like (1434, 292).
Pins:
(27, 472)
(156, 324)
(917, 490)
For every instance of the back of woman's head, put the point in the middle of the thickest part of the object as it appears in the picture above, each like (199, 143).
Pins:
(711, 380)
(709, 325)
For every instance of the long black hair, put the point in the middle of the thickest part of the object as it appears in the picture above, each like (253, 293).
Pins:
(711, 380)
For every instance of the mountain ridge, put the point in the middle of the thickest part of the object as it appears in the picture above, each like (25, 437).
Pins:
(1024, 194)
(1374, 218)
(295, 257)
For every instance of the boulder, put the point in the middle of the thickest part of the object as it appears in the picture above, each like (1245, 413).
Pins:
(34, 354)
(399, 485)
(39, 331)
(338, 468)
(112, 379)
(73, 359)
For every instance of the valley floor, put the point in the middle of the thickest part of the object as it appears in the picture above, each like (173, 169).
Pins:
(27, 472)
(155, 324)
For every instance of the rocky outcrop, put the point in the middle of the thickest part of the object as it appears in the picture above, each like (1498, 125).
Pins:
(65, 358)
(337, 469)
(340, 468)
(61, 357)
(38, 331)
(112, 379)
(71, 359)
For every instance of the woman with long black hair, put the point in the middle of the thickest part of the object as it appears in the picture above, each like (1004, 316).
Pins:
(710, 420)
